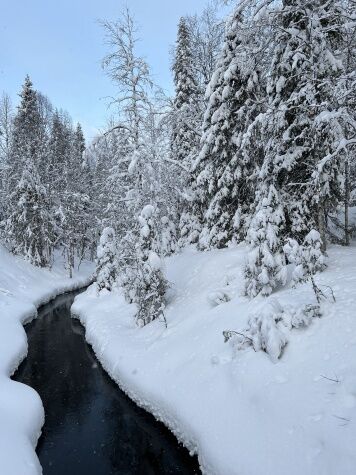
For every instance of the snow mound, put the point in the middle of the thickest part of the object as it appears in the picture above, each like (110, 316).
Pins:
(23, 288)
(217, 297)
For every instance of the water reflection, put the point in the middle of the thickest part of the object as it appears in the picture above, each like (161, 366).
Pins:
(91, 427)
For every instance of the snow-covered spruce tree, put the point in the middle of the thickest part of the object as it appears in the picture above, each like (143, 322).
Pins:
(86, 172)
(75, 201)
(29, 224)
(28, 227)
(226, 174)
(346, 98)
(91, 194)
(79, 188)
(185, 135)
(55, 170)
(266, 266)
(308, 259)
(300, 131)
(26, 135)
(68, 182)
(79, 140)
(73, 214)
(302, 128)
(59, 149)
(106, 263)
(186, 101)
(198, 45)
(149, 283)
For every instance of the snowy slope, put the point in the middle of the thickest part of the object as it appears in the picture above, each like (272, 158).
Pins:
(242, 413)
(23, 288)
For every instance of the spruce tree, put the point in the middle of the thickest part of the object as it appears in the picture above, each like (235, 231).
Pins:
(308, 257)
(186, 101)
(302, 135)
(226, 173)
(302, 129)
(59, 155)
(266, 266)
(75, 200)
(29, 223)
(106, 264)
(149, 283)
(27, 135)
(79, 140)
(185, 135)
(28, 228)
(346, 96)
(82, 183)
(69, 182)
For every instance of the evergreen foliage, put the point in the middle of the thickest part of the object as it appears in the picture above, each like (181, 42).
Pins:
(28, 227)
(106, 263)
(29, 223)
(226, 172)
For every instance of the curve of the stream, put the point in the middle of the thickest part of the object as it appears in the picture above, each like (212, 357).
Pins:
(91, 426)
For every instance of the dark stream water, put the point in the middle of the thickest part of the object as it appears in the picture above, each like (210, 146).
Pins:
(91, 427)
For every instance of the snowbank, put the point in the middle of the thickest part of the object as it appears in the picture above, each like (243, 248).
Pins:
(23, 288)
(242, 413)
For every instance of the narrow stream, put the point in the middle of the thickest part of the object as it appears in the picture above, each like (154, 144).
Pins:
(91, 426)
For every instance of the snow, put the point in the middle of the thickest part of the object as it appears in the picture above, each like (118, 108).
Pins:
(23, 288)
(240, 411)
(148, 211)
(154, 261)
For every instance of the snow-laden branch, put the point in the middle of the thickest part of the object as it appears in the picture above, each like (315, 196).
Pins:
(117, 127)
(344, 143)
(178, 164)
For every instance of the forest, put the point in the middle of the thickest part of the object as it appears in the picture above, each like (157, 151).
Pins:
(252, 159)
(256, 146)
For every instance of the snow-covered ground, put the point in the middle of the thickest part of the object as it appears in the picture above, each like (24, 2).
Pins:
(242, 413)
(23, 288)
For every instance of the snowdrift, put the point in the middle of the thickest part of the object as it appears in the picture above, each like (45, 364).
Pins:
(238, 410)
(23, 288)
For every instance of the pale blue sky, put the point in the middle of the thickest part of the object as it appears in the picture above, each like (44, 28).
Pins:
(60, 45)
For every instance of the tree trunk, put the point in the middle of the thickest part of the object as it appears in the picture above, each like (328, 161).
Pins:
(321, 225)
(347, 201)
(70, 259)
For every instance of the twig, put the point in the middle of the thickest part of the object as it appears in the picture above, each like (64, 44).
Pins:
(6, 292)
(331, 379)
(342, 418)
(331, 291)
(228, 333)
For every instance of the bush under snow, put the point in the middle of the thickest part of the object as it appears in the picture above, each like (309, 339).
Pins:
(268, 329)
